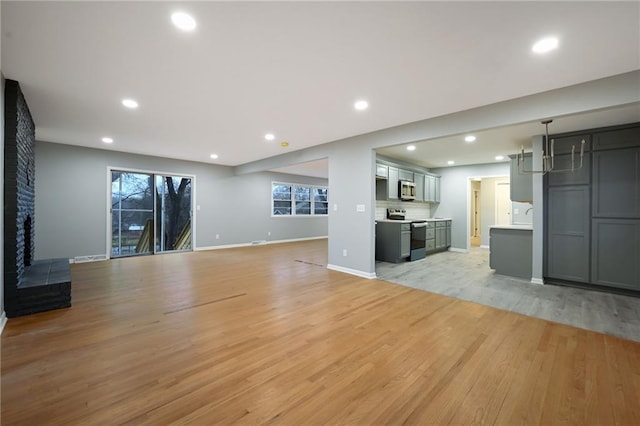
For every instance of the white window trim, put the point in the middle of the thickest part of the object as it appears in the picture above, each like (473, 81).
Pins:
(293, 201)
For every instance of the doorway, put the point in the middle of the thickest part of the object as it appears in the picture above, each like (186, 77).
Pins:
(475, 213)
(503, 203)
(150, 213)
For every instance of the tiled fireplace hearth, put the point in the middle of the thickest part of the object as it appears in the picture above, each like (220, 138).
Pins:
(29, 286)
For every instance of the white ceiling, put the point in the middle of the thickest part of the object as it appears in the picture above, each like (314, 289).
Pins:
(505, 140)
(293, 68)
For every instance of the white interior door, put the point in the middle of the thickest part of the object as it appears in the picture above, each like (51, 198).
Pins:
(503, 203)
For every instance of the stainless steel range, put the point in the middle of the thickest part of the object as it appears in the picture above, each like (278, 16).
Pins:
(418, 233)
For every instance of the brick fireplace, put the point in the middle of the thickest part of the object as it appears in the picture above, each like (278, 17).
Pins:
(29, 286)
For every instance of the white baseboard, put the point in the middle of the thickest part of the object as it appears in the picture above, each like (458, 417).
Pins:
(89, 258)
(458, 250)
(484, 247)
(258, 242)
(367, 275)
(3, 321)
(538, 281)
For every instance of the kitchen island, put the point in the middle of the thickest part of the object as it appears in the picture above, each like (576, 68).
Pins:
(511, 250)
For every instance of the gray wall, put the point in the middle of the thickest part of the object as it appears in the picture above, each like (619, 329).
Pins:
(72, 187)
(349, 229)
(455, 199)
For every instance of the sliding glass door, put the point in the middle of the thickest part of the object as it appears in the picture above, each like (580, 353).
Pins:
(150, 213)
(173, 213)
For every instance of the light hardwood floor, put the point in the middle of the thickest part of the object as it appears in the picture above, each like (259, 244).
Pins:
(267, 334)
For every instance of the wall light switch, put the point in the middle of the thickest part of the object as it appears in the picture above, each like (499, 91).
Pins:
(360, 208)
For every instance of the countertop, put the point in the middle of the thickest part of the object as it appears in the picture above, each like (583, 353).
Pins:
(519, 227)
(414, 220)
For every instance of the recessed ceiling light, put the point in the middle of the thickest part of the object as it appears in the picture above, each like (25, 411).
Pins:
(284, 144)
(499, 157)
(130, 103)
(361, 105)
(451, 162)
(214, 156)
(183, 21)
(411, 148)
(545, 45)
(269, 136)
(469, 138)
(107, 140)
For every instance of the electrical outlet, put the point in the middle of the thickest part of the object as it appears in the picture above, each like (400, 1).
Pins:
(217, 236)
(360, 208)
(335, 207)
(269, 233)
(344, 252)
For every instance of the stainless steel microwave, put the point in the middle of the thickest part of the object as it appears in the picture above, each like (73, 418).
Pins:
(406, 190)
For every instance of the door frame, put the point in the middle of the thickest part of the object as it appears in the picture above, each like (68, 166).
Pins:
(111, 169)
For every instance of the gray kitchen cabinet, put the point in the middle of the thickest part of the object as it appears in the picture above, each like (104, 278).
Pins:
(406, 175)
(392, 183)
(618, 138)
(382, 171)
(568, 233)
(521, 184)
(616, 183)
(438, 235)
(441, 238)
(511, 251)
(441, 234)
(432, 189)
(562, 161)
(615, 254)
(577, 177)
(419, 181)
(429, 188)
(593, 214)
(564, 144)
(430, 237)
(393, 241)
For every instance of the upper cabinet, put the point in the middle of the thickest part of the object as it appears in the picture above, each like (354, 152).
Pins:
(419, 181)
(388, 176)
(392, 183)
(432, 189)
(406, 175)
(382, 171)
(521, 182)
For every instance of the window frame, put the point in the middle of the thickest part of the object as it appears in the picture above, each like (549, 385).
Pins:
(292, 199)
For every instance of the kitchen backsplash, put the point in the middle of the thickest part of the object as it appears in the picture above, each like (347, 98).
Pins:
(414, 210)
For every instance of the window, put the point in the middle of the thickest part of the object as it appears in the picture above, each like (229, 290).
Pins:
(298, 200)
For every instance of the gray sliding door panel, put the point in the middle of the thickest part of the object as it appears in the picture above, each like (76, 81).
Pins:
(616, 253)
(616, 183)
(568, 233)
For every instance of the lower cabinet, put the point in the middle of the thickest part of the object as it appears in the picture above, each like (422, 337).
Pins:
(615, 253)
(568, 229)
(393, 241)
(438, 235)
(593, 213)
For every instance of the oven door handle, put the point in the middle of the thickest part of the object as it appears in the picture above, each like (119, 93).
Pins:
(419, 225)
